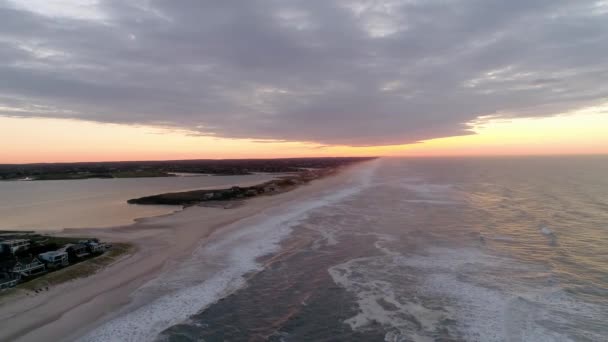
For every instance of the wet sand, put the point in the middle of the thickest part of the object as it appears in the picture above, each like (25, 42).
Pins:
(69, 310)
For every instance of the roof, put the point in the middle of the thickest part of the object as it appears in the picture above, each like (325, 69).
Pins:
(73, 246)
(65, 248)
(27, 260)
(14, 241)
(53, 253)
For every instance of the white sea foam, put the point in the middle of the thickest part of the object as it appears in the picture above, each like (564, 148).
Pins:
(502, 238)
(481, 311)
(381, 302)
(439, 194)
(430, 201)
(546, 231)
(498, 299)
(328, 236)
(240, 251)
(491, 298)
(427, 189)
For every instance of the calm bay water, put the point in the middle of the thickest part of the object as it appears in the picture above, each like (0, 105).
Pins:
(505, 249)
(48, 205)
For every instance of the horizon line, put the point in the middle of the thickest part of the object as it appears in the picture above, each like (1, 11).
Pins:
(325, 157)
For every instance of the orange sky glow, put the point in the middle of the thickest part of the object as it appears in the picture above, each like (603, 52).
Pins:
(29, 140)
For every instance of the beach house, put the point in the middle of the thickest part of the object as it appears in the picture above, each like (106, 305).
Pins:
(76, 251)
(54, 259)
(15, 245)
(29, 266)
(95, 247)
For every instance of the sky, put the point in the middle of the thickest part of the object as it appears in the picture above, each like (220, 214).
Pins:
(86, 80)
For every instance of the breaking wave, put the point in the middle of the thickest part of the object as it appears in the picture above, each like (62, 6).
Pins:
(236, 255)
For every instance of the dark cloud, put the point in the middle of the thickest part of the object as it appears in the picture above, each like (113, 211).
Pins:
(332, 72)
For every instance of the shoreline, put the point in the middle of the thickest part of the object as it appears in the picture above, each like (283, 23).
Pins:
(114, 210)
(69, 310)
(272, 187)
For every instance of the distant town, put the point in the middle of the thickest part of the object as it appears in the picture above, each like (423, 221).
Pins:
(171, 168)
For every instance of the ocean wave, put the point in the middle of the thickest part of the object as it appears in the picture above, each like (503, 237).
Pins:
(471, 295)
(237, 254)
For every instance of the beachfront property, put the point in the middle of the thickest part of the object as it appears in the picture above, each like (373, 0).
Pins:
(15, 245)
(54, 259)
(76, 251)
(94, 247)
(26, 267)
(22, 259)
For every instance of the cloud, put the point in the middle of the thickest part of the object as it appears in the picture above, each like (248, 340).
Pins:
(358, 72)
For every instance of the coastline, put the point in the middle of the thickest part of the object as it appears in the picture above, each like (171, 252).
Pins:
(98, 203)
(69, 310)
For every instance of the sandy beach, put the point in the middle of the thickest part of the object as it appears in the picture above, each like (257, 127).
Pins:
(69, 310)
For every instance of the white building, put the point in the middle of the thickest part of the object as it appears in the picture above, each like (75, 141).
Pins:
(54, 259)
(28, 267)
(15, 245)
(96, 247)
(271, 188)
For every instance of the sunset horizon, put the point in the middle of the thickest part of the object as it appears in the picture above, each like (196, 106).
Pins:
(580, 133)
(303, 170)
(375, 79)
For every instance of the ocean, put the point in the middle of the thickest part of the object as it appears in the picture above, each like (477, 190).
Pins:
(428, 249)
(89, 203)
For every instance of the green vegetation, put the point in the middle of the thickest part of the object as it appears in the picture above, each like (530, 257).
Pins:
(234, 193)
(141, 173)
(60, 176)
(88, 175)
(81, 257)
